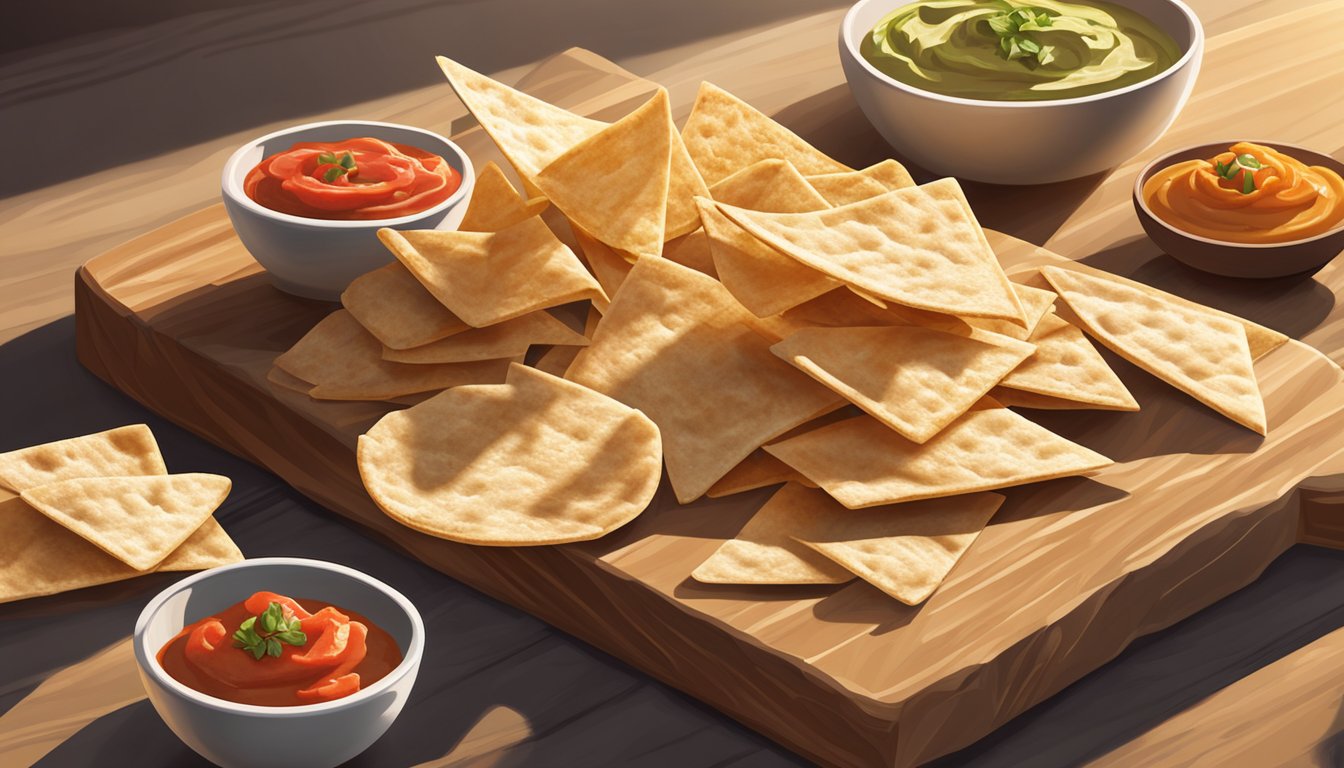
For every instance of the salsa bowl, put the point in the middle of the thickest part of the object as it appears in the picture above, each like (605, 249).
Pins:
(317, 258)
(244, 735)
(1023, 142)
(1230, 259)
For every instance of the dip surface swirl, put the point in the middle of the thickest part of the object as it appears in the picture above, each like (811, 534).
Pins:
(1288, 199)
(951, 47)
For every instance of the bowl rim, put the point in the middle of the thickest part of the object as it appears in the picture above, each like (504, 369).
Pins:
(231, 170)
(1221, 146)
(149, 664)
(1194, 49)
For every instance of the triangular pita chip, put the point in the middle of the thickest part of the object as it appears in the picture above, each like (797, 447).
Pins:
(725, 134)
(1036, 303)
(862, 463)
(1066, 366)
(765, 552)
(764, 280)
(1016, 398)
(46, 559)
(1200, 353)
(607, 264)
(676, 345)
(495, 204)
(692, 251)
(400, 312)
(758, 470)
(139, 520)
(914, 380)
(1260, 339)
(536, 460)
(489, 277)
(529, 132)
(905, 550)
(129, 450)
(614, 183)
(920, 247)
(684, 184)
(852, 186)
(511, 338)
(344, 362)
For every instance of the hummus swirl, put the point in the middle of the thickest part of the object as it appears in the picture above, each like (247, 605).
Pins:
(952, 47)
(1288, 199)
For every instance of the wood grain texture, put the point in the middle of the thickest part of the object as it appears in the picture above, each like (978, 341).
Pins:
(1067, 575)
(1290, 713)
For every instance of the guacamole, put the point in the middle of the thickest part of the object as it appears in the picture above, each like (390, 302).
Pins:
(1008, 50)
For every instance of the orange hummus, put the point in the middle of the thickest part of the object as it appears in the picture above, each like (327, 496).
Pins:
(1282, 200)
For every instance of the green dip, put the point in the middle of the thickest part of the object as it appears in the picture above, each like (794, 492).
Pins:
(1006, 50)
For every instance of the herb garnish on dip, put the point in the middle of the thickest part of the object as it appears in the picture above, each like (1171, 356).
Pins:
(270, 651)
(362, 178)
(1007, 50)
(1248, 194)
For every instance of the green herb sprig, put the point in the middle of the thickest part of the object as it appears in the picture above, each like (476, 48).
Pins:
(1016, 46)
(275, 629)
(341, 166)
(1244, 164)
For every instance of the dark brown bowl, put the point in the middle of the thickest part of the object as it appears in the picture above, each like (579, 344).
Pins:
(1221, 257)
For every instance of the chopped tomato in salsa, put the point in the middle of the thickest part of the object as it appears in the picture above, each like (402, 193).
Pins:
(354, 179)
(331, 653)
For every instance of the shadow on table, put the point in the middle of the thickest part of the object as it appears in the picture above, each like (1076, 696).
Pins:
(184, 78)
(494, 680)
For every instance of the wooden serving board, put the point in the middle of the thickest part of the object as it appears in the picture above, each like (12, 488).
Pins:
(1066, 576)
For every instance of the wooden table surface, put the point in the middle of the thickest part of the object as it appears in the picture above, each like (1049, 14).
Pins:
(120, 129)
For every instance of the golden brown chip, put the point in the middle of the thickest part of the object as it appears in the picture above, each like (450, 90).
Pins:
(288, 381)
(840, 308)
(684, 184)
(495, 204)
(692, 251)
(400, 312)
(1067, 367)
(764, 280)
(852, 186)
(905, 550)
(43, 558)
(557, 360)
(608, 265)
(920, 247)
(914, 380)
(529, 132)
(1016, 398)
(765, 552)
(489, 277)
(1036, 304)
(725, 134)
(1200, 353)
(1260, 339)
(345, 362)
(862, 463)
(758, 470)
(677, 346)
(537, 460)
(614, 184)
(129, 450)
(510, 338)
(139, 520)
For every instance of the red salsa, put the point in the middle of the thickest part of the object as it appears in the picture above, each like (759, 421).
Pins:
(271, 651)
(355, 179)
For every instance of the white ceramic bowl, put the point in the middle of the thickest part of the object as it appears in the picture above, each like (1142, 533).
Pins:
(1023, 142)
(317, 258)
(247, 736)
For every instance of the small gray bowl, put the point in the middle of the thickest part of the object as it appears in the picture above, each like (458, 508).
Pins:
(317, 258)
(248, 736)
(1246, 260)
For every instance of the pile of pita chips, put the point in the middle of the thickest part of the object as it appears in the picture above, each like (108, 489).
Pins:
(767, 316)
(101, 508)
(457, 307)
